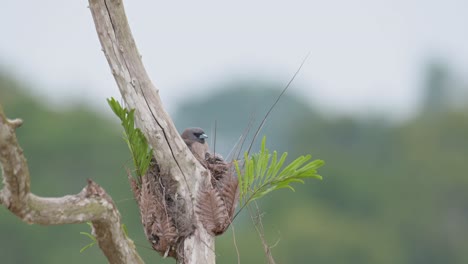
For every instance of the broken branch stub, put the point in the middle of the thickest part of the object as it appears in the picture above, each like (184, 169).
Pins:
(91, 204)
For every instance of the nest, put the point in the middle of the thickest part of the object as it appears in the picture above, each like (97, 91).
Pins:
(163, 213)
(166, 222)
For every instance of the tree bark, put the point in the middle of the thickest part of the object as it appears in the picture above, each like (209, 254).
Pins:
(91, 204)
(171, 153)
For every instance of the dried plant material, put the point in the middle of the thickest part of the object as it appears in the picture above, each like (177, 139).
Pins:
(212, 212)
(163, 213)
(158, 225)
(229, 193)
(165, 222)
(225, 187)
(217, 166)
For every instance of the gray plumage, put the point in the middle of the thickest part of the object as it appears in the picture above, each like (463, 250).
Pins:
(195, 137)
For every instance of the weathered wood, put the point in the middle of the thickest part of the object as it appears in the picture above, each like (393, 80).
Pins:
(91, 204)
(170, 152)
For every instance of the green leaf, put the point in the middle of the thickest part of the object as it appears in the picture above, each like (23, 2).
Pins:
(135, 139)
(240, 178)
(272, 165)
(263, 173)
(87, 246)
(124, 229)
(90, 236)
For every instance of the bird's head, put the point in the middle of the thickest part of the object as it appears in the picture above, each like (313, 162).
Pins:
(194, 134)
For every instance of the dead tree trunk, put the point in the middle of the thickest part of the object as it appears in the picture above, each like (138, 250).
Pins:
(190, 181)
(172, 156)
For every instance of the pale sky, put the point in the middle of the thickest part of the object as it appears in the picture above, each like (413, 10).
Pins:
(366, 56)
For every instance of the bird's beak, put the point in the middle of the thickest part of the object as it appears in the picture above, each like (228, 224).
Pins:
(203, 136)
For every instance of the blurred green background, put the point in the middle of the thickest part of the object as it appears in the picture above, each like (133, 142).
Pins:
(393, 191)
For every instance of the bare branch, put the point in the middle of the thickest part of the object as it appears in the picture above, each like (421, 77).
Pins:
(91, 204)
(256, 217)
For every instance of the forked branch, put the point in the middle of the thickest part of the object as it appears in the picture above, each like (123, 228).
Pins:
(91, 204)
(172, 156)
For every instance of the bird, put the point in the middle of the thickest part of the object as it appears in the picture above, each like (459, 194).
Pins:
(195, 137)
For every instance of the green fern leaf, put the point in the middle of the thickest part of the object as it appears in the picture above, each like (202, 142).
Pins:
(135, 139)
(263, 173)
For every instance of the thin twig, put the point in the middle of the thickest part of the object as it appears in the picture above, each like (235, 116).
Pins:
(214, 140)
(277, 100)
(261, 232)
(235, 243)
(244, 136)
(234, 148)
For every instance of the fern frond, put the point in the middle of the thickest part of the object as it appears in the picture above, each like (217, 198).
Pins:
(136, 141)
(212, 212)
(264, 173)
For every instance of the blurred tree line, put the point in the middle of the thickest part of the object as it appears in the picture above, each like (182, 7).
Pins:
(392, 192)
